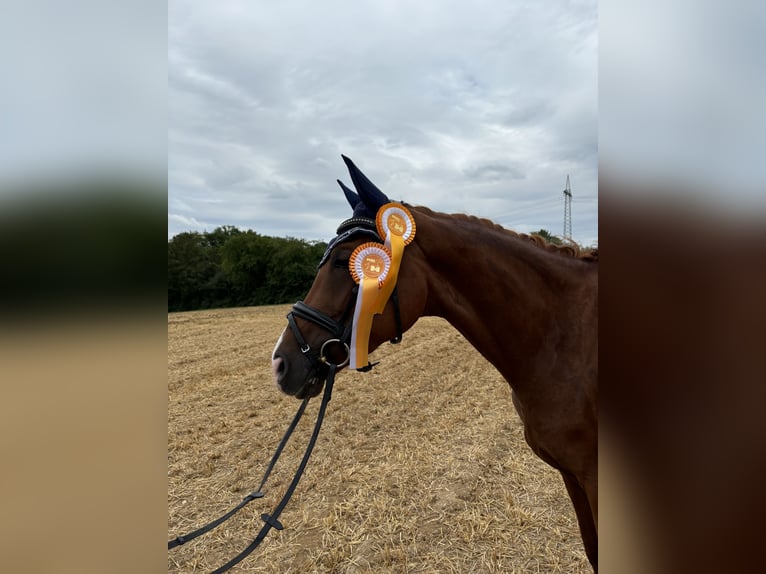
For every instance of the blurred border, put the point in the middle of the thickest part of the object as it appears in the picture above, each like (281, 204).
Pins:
(682, 222)
(82, 298)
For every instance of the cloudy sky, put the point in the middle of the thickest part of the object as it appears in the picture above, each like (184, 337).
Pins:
(480, 107)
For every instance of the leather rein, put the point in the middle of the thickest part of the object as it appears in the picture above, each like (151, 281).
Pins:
(340, 331)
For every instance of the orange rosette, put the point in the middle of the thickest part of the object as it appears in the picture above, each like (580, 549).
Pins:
(369, 265)
(395, 220)
(370, 261)
(397, 227)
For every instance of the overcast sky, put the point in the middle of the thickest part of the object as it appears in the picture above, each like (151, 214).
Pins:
(480, 107)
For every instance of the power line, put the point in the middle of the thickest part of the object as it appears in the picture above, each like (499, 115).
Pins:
(540, 205)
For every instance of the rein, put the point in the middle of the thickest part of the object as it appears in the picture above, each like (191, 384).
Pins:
(340, 335)
(270, 520)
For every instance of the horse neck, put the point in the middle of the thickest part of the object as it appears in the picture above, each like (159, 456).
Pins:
(508, 297)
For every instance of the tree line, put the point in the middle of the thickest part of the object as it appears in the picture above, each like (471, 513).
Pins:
(228, 267)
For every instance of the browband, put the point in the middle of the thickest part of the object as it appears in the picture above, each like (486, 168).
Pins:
(348, 229)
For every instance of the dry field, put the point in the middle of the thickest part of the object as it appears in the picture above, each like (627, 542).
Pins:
(421, 465)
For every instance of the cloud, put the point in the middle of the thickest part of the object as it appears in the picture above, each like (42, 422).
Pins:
(476, 107)
(494, 172)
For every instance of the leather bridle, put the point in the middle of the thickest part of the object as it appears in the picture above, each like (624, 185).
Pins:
(340, 330)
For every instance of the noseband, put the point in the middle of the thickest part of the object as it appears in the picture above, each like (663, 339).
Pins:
(340, 330)
(341, 333)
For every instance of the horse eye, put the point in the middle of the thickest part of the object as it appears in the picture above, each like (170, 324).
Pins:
(341, 263)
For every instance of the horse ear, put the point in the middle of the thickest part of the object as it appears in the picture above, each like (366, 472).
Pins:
(370, 195)
(351, 196)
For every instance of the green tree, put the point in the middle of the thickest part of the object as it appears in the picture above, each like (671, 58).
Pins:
(221, 235)
(191, 266)
(292, 269)
(228, 267)
(548, 236)
(245, 259)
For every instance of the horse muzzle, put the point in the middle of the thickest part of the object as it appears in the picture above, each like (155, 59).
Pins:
(305, 377)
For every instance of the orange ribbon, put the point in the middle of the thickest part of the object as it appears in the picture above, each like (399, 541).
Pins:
(369, 264)
(376, 269)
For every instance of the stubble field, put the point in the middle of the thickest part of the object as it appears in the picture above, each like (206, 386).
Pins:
(421, 465)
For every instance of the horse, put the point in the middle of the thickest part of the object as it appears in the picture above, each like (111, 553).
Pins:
(528, 306)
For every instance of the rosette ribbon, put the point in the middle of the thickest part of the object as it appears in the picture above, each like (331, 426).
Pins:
(369, 264)
(376, 268)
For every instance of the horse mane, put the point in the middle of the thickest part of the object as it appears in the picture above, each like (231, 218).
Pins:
(570, 249)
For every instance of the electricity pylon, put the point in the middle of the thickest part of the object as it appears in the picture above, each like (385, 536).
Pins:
(568, 211)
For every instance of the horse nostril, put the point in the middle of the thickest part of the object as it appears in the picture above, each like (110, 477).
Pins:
(279, 367)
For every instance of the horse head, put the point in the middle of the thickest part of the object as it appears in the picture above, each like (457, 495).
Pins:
(319, 328)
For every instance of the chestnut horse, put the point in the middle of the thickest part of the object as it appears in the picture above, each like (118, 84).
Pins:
(529, 307)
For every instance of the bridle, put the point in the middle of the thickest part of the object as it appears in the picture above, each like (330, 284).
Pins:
(340, 331)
